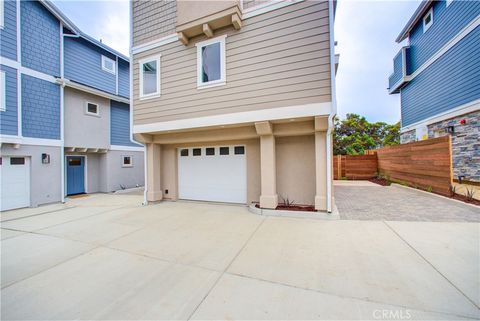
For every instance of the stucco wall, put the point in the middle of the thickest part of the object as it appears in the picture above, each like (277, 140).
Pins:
(295, 158)
(117, 175)
(82, 130)
(45, 179)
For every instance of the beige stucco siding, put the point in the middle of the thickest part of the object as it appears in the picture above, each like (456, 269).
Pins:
(280, 58)
(153, 19)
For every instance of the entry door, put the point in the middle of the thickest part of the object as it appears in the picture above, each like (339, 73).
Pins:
(216, 174)
(75, 175)
(15, 182)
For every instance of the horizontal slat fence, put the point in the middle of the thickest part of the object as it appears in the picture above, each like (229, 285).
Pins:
(354, 166)
(425, 164)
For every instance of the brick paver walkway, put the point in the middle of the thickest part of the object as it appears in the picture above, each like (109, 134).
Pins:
(396, 203)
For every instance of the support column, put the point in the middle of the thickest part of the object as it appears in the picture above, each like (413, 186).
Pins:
(269, 197)
(321, 127)
(154, 189)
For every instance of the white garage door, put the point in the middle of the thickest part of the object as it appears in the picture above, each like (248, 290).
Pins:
(216, 174)
(15, 182)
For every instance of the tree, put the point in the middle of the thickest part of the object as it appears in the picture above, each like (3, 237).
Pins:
(354, 135)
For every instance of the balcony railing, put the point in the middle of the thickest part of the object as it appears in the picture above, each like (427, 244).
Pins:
(400, 75)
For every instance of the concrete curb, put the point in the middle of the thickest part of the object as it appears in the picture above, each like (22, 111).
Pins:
(296, 214)
(436, 195)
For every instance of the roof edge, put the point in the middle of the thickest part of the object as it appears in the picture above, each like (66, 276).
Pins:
(421, 10)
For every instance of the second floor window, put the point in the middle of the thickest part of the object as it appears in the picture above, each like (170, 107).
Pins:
(150, 77)
(108, 65)
(211, 62)
(428, 20)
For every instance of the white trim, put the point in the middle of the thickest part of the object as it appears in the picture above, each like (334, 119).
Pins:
(267, 7)
(145, 173)
(123, 161)
(62, 116)
(240, 117)
(223, 70)
(153, 44)
(141, 62)
(104, 68)
(26, 71)
(116, 75)
(74, 85)
(448, 2)
(2, 14)
(452, 113)
(3, 87)
(427, 26)
(97, 114)
(126, 148)
(19, 74)
(11, 139)
(130, 81)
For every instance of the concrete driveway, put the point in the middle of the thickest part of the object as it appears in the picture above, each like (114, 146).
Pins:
(105, 257)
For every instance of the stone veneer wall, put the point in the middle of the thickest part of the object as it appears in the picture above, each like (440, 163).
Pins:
(465, 144)
(408, 137)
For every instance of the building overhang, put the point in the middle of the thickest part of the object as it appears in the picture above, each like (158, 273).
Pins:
(417, 15)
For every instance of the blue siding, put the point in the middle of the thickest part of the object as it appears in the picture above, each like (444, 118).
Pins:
(123, 78)
(451, 81)
(447, 22)
(83, 64)
(397, 69)
(8, 35)
(8, 118)
(40, 108)
(120, 124)
(40, 38)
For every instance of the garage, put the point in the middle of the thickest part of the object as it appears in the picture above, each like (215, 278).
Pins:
(213, 173)
(15, 182)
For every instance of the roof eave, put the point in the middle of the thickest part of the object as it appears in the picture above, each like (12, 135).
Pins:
(421, 10)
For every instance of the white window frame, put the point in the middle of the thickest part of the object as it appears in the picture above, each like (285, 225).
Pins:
(140, 67)
(3, 86)
(448, 2)
(90, 113)
(223, 70)
(104, 59)
(131, 161)
(425, 25)
(2, 14)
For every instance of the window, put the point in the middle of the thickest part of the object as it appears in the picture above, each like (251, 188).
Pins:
(224, 150)
(448, 2)
(209, 151)
(17, 161)
(239, 150)
(197, 152)
(211, 62)
(150, 77)
(74, 162)
(108, 65)
(2, 9)
(92, 109)
(428, 20)
(184, 152)
(3, 87)
(127, 161)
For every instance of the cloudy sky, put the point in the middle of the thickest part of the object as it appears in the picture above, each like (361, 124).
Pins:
(365, 31)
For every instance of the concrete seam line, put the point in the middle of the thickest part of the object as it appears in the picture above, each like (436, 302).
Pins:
(27, 216)
(347, 296)
(428, 262)
(226, 268)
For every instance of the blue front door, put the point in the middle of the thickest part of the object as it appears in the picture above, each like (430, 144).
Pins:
(75, 175)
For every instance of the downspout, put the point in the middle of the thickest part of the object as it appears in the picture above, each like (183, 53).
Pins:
(329, 163)
(62, 116)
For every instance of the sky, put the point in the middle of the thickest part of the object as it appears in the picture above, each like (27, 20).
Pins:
(365, 32)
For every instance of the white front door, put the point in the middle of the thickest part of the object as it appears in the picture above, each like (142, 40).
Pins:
(15, 182)
(213, 173)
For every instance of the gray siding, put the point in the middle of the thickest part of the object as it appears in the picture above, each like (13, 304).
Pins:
(277, 59)
(153, 19)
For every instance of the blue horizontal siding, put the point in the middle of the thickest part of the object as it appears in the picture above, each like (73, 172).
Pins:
(40, 38)
(120, 124)
(9, 117)
(8, 35)
(447, 22)
(40, 108)
(451, 81)
(397, 69)
(123, 78)
(83, 64)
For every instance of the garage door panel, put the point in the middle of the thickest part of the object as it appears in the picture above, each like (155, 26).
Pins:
(15, 182)
(219, 178)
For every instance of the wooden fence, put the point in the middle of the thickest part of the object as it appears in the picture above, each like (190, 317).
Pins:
(354, 167)
(425, 164)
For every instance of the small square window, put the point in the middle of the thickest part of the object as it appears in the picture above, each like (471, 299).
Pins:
(184, 152)
(108, 65)
(197, 152)
(127, 161)
(211, 64)
(428, 20)
(209, 151)
(17, 161)
(74, 162)
(224, 150)
(239, 150)
(92, 109)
